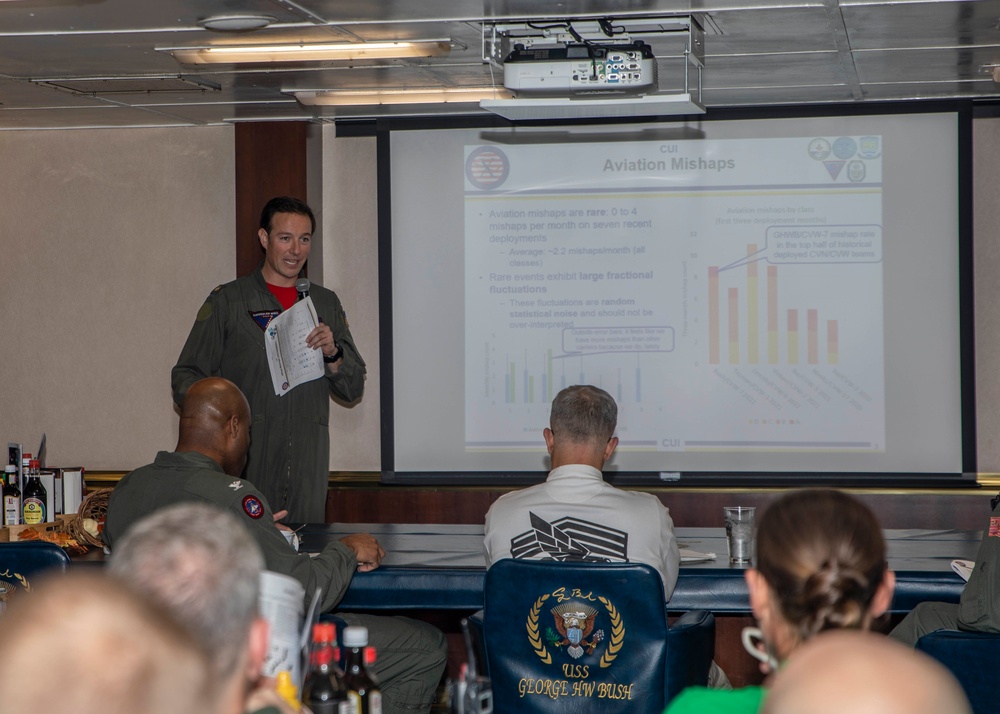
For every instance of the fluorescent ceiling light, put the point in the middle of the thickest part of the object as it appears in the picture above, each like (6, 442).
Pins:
(307, 52)
(364, 97)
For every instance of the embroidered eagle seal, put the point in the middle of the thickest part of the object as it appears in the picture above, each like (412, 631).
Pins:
(575, 623)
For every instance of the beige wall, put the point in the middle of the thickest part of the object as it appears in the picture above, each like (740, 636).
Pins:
(112, 239)
(350, 268)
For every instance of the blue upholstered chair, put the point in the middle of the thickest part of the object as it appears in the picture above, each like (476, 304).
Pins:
(586, 637)
(21, 562)
(972, 657)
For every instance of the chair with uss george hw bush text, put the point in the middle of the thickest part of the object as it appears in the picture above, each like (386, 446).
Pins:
(587, 637)
(20, 563)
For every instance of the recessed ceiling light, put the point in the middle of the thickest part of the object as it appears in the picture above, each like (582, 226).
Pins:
(236, 23)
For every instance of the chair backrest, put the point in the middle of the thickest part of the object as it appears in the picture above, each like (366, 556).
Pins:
(972, 657)
(21, 562)
(564, 637)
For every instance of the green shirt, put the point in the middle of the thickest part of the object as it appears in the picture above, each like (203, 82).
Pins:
(701, 700)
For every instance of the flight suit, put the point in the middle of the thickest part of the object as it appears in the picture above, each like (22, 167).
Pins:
(290, 438)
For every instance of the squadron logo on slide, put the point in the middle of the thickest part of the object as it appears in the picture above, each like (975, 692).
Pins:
(819, 149)
(487, 167)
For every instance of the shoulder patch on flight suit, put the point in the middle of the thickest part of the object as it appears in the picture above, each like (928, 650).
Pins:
(995, 526)
(252, 506)
(205, 312)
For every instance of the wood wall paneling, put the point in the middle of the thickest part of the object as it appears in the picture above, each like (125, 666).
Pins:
(270, 161)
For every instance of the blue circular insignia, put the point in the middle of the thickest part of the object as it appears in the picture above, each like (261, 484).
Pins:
(845, 147)
(253, 507)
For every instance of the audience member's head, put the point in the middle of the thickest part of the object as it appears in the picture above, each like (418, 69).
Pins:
(83, 643)
(215, 421)
(863, 673)
(201, 565)
(821, 565)
(582, 426)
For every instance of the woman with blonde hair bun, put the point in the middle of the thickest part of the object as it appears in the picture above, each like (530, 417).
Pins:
(821, 565)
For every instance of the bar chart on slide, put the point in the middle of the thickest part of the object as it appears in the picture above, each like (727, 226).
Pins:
(535, 379)
(746, 325)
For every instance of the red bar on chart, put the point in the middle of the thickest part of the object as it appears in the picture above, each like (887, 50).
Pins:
(772, 314)
(793, 337)
(713, 315)
(753, 302)
(812, 339)
(734, 326)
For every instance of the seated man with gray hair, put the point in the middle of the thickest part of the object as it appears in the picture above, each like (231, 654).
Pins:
(202, 566)
(575, 515)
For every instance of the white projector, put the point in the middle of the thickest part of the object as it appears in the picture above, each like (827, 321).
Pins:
(580, 70)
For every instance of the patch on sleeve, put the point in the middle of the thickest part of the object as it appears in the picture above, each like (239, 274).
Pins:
(252, 506)
(205, 312)
(343, 313)
(995, 527)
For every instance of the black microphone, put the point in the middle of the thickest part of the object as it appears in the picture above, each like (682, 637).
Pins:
(302, 288)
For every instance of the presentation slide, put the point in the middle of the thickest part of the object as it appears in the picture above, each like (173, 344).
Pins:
(757, 296)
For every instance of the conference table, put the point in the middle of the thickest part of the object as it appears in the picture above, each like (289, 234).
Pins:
(442, 567)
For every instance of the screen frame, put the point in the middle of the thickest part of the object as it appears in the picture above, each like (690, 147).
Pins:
(382, 129)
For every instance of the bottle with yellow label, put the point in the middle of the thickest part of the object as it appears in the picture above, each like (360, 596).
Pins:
(33, 498)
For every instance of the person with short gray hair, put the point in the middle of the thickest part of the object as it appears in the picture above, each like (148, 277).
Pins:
(202, 566)
(575, 515)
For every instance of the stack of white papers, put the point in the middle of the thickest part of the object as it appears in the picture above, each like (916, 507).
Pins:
(291, 360)
(963, 568)
(693, 556)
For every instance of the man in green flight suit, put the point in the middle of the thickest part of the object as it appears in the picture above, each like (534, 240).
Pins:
(205, 467)
(290, 454)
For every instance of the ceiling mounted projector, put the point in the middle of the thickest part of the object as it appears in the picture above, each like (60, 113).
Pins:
(581, 70)
(591, 69)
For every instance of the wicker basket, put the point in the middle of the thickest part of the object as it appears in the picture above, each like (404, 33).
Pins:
(95, 506)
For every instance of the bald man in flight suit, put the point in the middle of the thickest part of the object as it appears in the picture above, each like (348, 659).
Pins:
(205, 467)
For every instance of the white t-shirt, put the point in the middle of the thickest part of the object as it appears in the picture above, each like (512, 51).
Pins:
(576, 516)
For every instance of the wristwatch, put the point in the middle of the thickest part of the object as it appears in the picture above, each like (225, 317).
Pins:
(336, 355)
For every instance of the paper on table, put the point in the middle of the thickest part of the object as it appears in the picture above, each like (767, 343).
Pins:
(693, 556)
(291, 360)
(963, 568)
